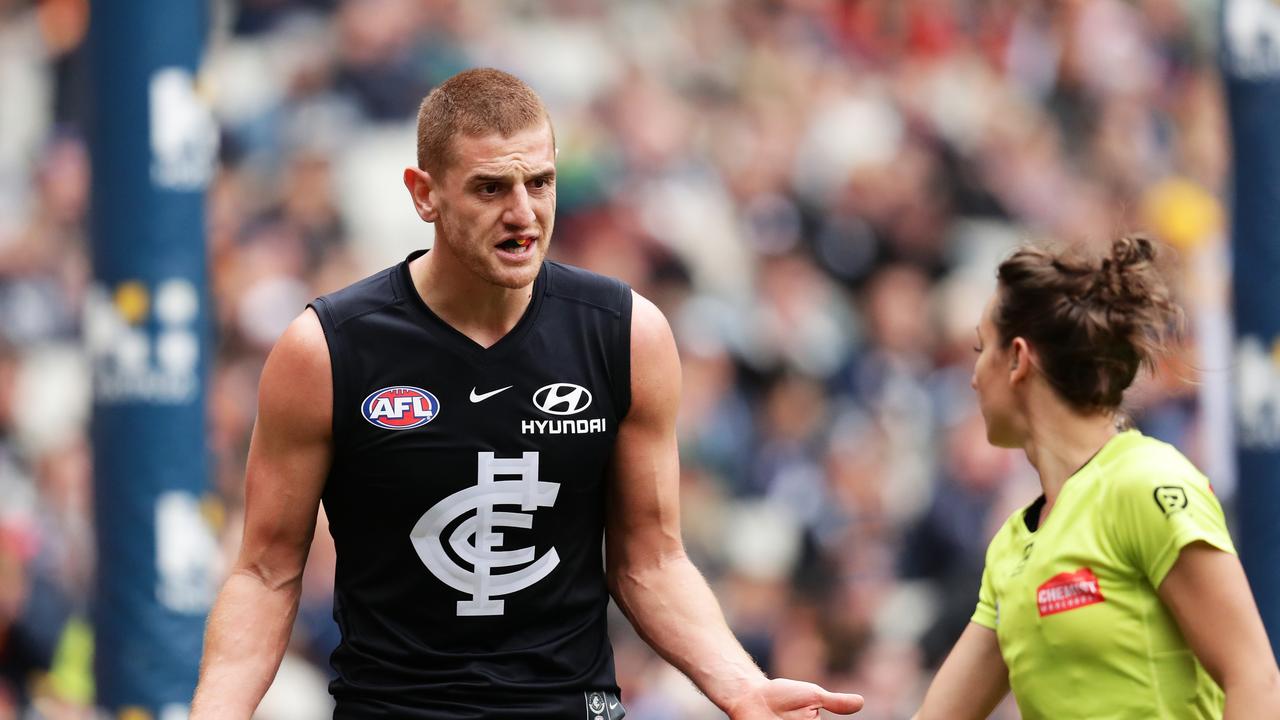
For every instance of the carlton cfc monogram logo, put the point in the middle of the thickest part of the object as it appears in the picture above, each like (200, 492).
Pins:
(475, 540)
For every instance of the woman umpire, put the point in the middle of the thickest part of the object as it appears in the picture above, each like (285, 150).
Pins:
(1117, 593)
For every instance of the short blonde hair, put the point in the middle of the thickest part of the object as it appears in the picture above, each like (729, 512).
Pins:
(479, 101)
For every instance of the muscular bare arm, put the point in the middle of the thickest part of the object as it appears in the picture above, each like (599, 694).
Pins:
(288, 460)
(1208, 594)
(972, 680)
(650, 576)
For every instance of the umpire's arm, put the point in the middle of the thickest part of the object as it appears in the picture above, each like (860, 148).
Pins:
(650, 576)
(288, 460)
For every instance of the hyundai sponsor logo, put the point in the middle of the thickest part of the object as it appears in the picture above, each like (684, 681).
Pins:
(562, 399)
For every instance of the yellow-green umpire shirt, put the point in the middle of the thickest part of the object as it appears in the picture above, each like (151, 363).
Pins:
(1074, 604)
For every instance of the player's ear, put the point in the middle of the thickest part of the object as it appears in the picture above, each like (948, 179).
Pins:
(1019, 360)
(421, 186)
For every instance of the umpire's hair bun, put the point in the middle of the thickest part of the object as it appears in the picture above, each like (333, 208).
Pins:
(1093, 321)
(1126, 276)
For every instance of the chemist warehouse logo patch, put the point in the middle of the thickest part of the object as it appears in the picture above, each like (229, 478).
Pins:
(1068, 591)
(400, 407)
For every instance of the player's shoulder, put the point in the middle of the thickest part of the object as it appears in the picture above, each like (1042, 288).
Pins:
(587, 288)
(299, 360)
(361, 297)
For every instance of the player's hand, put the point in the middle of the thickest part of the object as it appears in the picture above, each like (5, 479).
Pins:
(781, 699)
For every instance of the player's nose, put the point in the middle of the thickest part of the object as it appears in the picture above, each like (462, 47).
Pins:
(519, 211)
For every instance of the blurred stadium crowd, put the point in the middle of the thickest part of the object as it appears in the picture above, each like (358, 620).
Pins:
(816, 192)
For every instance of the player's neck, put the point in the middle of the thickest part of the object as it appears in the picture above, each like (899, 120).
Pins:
(1060, 441)
(474, 307)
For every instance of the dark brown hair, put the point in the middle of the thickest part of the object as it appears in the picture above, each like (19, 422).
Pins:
(474, 102)
(1092, 321)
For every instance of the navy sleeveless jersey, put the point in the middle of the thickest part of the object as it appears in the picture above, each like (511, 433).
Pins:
(466, 500)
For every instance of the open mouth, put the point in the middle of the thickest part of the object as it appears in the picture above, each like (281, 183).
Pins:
(516, 245)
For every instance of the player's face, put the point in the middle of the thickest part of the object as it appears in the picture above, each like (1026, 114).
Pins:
(991, 381)
(497, 204)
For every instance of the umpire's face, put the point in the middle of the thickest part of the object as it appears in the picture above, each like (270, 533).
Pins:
(495, 205)
(993, 380)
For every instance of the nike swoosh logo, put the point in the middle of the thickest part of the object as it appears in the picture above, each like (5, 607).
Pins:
(480, 398)
(613, 704)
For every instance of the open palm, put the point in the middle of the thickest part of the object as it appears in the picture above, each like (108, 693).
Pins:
(782, 699)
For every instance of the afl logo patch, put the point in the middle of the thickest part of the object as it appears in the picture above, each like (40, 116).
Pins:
(562, 399)
(400, 407)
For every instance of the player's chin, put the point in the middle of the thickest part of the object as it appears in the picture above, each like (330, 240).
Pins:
(517, 276)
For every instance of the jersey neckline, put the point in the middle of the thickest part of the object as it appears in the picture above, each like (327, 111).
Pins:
(457, 339)
(1114, 444)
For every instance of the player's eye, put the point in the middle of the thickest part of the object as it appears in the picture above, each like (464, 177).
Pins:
(977, 349)
(489, 188)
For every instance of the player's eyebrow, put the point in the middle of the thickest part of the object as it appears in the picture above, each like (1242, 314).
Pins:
(483, 177)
